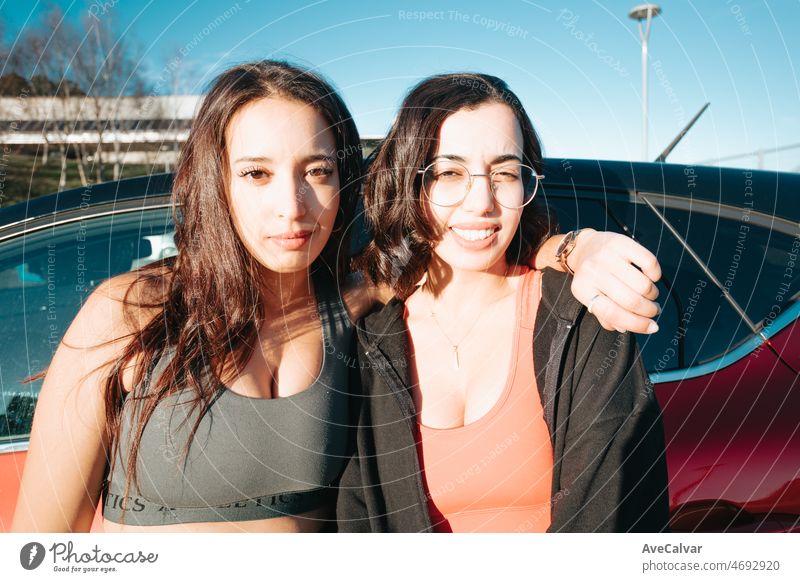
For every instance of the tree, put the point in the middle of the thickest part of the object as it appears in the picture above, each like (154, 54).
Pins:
(85, 70)
(44, 55)
(106, 68)
(13, 84)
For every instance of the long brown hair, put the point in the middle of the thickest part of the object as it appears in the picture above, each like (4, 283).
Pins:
(208, 297)
(403, 237)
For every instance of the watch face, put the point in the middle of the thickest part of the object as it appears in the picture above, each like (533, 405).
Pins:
(566, 242)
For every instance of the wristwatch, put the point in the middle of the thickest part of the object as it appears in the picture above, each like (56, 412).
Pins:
(565, 248)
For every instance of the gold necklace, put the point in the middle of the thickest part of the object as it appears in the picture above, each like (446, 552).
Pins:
(454, 345)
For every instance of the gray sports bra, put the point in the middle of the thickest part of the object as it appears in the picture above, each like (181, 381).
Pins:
(250, 458)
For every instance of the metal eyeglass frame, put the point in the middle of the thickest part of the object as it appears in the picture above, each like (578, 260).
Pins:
(539, 178)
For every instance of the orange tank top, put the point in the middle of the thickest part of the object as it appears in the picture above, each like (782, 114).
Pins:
(495, 474)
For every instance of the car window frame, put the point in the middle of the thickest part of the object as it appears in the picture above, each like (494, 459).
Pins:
(28, 226)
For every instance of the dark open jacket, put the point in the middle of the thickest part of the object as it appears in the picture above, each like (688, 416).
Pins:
(609, 470)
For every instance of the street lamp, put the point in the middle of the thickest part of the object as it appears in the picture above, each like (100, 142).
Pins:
(640, 13)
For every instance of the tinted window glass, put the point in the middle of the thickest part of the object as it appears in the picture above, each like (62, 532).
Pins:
(44, 278)
(754, 257)
(579, 212)
(697, 324)
(698, 318)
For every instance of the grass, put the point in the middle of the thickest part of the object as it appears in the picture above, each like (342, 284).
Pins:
(24, 176)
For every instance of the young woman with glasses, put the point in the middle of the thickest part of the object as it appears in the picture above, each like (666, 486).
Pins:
(491, 401)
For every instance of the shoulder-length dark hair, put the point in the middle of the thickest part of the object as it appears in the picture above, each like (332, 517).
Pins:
(208, 297)
(403, 237)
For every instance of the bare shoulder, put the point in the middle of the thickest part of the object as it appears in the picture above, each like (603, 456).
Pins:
(357, 296)
(117, 308)
(360, 295)
(109, 319)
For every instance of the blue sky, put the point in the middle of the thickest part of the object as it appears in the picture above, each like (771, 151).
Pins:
(575, 65)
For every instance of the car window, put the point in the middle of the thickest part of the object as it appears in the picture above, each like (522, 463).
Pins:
(706, 325)
(44, 278)
(754, 257)
(697, 324)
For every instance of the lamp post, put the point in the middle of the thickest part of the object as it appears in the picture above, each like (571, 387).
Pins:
(644, 13)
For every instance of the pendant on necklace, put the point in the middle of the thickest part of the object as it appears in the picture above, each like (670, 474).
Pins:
(455, 358)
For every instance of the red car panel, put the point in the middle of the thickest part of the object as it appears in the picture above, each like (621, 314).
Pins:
(725, 432)
(10, 474)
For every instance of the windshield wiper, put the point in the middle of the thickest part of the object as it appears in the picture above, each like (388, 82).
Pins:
(679, 137)
(736, 307)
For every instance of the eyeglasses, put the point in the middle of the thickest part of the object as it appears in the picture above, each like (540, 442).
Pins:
(446, 183)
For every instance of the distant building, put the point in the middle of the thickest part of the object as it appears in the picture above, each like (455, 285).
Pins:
(134, 130)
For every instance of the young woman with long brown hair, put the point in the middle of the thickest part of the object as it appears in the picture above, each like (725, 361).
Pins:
(208, 392)
(491, 401)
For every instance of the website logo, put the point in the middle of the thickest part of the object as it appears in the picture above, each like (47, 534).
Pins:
(31, 555)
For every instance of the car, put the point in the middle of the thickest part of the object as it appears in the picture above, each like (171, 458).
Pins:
(724, 364)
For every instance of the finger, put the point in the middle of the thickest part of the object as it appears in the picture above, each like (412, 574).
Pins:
(653, 293)
(584, 288)
(642, 258)
(609, 314)
(604, 324)
(625, 297)
(608, 326)
(636, 280)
